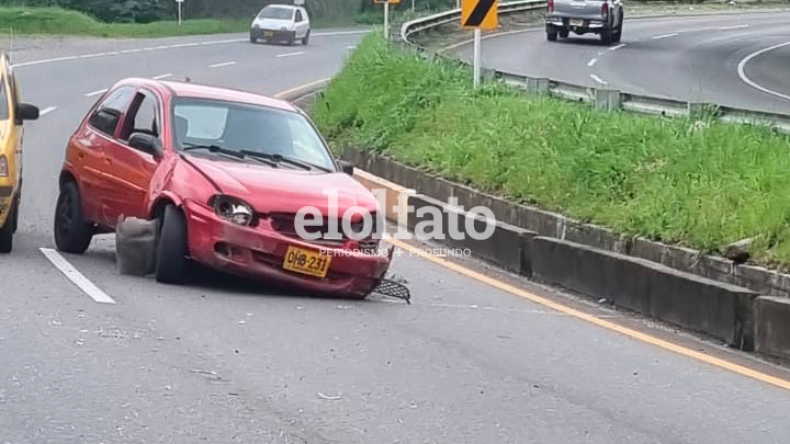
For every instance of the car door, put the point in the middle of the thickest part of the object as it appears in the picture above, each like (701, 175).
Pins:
(129, 169)
(302, 24)
(87, 152)
(8, 171)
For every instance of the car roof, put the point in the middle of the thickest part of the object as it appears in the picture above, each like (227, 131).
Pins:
(198, 91)
(276, 5)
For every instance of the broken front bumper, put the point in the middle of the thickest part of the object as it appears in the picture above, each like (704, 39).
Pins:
(259, 252)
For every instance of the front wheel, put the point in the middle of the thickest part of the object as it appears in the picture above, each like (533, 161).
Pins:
(7, 232)
(253, 39)
(72, 233)
(171, 250)
(306, 39)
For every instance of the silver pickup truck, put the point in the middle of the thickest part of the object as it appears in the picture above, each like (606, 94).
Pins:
(603, 17)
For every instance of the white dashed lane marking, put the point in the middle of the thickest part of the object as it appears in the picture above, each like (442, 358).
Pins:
(664, 36)
(76, 277)
(96, 93)
(290, 54)
(598, 79)
(592, 63)
(47, 110)
(222, 65)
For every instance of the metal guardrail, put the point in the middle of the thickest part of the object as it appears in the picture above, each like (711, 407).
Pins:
(602, 99)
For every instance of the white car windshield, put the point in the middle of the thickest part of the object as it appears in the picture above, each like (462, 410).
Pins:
(276, 13)
(249, 128)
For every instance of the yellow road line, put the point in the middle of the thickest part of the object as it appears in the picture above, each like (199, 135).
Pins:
(300, 87)
(639, 336)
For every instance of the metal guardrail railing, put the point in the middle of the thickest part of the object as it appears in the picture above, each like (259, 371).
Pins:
(602, 99)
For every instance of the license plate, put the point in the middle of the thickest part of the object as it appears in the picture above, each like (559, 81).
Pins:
(577, 22)
(306, 262)
(268, 33)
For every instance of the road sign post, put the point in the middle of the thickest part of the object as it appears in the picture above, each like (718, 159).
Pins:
(387, 15)
(179, 2)
(480, 15)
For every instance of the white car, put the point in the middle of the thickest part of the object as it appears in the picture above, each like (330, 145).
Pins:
(281, 23)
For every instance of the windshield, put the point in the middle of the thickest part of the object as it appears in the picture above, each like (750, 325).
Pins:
(255, 129)
(277, 13)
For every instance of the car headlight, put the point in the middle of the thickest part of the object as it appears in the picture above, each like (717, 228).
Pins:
(3, 166)
(232, 209)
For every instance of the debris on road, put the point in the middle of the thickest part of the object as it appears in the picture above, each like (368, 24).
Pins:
(135, 245)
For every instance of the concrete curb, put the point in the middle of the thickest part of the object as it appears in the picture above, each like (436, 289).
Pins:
(673, 284)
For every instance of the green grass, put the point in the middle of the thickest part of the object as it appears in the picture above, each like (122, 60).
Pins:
(33, 21)
(700, 184)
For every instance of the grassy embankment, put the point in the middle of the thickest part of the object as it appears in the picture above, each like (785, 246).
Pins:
(700, 184)
(58, 21)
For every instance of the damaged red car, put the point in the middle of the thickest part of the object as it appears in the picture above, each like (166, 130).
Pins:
(225, 173)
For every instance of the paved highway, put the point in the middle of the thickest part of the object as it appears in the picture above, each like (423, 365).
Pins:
(221, 361)
(734, 60)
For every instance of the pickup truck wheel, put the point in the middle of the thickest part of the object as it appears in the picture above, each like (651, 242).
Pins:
(551, 36)
(72, 233)
(564, 33)
(618, 33)
(171, 250)
(7, 232)
(606, 37)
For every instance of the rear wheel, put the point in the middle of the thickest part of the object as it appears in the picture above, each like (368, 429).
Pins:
(171, 250)
(72, 233)
(306, 39)
(551, 35)
(606, 37)
(7, 232)
(618, 32)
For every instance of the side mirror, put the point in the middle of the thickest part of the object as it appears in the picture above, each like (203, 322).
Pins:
(346, 167)
(26, 111)
(146, 143)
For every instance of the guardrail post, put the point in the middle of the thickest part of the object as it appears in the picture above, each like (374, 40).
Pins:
(607, 100)
(539, 86)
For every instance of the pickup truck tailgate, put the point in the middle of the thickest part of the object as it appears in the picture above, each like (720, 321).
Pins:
(584, 9)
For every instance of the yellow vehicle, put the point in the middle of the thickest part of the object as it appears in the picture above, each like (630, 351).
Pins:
(12, 114)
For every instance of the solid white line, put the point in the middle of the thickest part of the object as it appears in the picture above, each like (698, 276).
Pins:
(96, 93)
(663, 36)
(729, 28)
(47, 110)
(221, 65)
(76, 277)
(598, 79)
(290, 54)
(163, 76)
(592, 63)
(750, 82)
(620, 46)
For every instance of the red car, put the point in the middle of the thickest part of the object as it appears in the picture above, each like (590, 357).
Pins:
(225, 172)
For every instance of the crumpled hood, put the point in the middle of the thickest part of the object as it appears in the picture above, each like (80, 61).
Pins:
(283, 190)
(272, 24)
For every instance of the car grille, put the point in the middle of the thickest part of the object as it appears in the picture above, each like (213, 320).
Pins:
(285, 224)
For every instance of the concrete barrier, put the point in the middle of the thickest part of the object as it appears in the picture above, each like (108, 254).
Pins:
(688, 301)
(508, 246)
(772, 316)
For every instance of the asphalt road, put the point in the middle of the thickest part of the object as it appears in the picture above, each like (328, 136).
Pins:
(225, 361)
(731, 60)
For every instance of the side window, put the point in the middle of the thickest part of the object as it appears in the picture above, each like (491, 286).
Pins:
(108, 113)
(143, 116)
(299, 17)
(3, 99)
